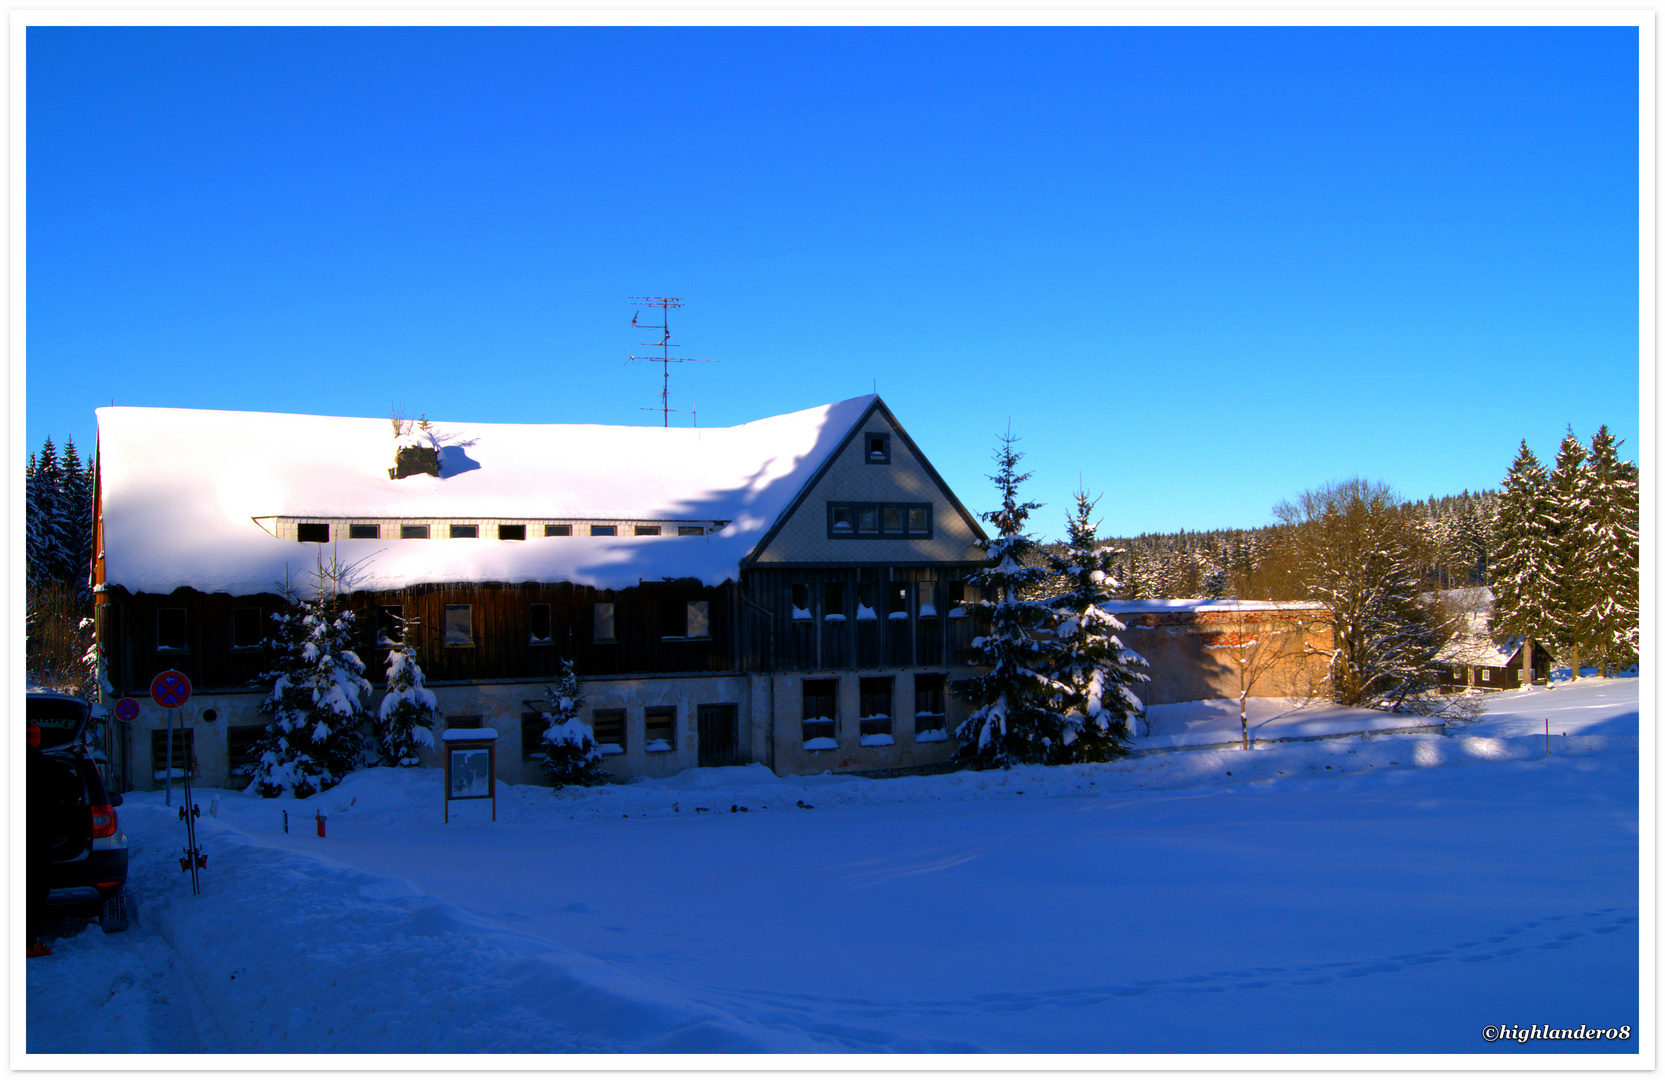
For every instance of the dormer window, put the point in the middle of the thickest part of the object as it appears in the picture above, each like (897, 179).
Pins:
(878, 448)
(313, 532)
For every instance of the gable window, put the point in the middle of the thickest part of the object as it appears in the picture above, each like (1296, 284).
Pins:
(604, 530)
(459, 625)
(608, 725)
(820, 715)
(390, 625)
(929, 716)
(690, 530)
(511, 532)
(245, 628)
(647, 530)
(875, 712)
(869, 520)
(878, 448)
(604, 623)
(465, 532)
(364, 532)
(540, 625)
(313, 532)
(170, 629)
(659, 729)
(413, 532)
(557, 530)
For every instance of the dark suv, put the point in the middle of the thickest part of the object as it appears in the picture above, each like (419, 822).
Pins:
(88, 871)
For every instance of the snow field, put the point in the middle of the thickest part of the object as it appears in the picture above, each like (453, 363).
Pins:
(1367, 895)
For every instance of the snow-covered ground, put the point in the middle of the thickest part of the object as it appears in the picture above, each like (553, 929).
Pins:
(1374, 894)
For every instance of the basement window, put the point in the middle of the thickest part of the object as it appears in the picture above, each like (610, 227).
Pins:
(875, 712)
(557, 530)
(511, 532)
(313, 532)
(413, 532)
(364, 532)
(465, 532)
(659, 729)
(608, 725)
(820, 715)
(929, 715)
(180, 761)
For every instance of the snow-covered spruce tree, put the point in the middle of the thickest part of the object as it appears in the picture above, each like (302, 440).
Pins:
(1525, 565)
(569, 748)
(1569, 498)
(405, 718)
(314, 735)
(1012, 721)
(1097, 706)
(1611, 554)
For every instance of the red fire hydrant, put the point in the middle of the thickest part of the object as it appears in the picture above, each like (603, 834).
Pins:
(320, 823)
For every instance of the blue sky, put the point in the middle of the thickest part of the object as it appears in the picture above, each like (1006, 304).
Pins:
(1196, 269)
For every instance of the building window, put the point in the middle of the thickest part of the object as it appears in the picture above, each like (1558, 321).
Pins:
(875, 712)
(454, 723)
(896, 599)
(647, 530)
(465, 532)
(608, 725)
(390, 625)
(685, 619)
(459, 625)
(832, 601)
(929, 716)
(690, 530)
(246, 628)
(540, 624)
(184, 748)
(867, 600)
(312, 532)
(604, 530)
(604, 623)
(364, 532)
(240, 743)
(557, 530)
(413, 532)
(956, 599)
(927, 592)
(170, 629)
(800, 602)
(820, 716)
(878, 448)
(659, 729)
(883, 520)
(511, 532)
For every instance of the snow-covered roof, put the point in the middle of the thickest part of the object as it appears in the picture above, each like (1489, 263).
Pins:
(181, 489)
(1147, 607)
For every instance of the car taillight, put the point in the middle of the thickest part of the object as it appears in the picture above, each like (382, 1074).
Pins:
(103, 821)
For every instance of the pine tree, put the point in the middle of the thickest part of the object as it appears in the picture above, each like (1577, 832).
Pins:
(46, 531)
(1610, 562)
(1524, 571)
(1097, 671)
(1571, 595)
(74, 524)
(1012, 721)
(406, 716)
(313, 739)
(569, 747)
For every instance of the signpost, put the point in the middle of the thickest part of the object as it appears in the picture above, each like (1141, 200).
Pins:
(470, 767)
(127, 710)
(171, 690)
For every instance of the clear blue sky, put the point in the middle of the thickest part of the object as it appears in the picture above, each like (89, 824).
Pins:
(1196, 269)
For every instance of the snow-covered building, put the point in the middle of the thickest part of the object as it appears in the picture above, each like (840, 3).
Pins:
(1474, 660)
(1204, 649)
(786, 591)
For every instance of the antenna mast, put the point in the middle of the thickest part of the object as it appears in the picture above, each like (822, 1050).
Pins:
(664, 304)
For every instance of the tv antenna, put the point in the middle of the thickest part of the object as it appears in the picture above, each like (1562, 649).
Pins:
(664, 304)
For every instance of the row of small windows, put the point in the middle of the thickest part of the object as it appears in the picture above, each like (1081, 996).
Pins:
(679, 620)
(610, 729)
(318, 532)
(894, 595)
(820, 711)
(879, 520)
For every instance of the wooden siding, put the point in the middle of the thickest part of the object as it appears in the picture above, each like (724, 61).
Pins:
(501, 626)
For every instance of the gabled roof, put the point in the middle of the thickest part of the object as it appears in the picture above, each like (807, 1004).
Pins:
(181, 489)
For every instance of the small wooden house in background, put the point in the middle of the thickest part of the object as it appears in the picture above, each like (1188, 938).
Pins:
(1473, 660)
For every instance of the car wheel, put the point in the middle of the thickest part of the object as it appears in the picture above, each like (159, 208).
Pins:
(113, 917)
